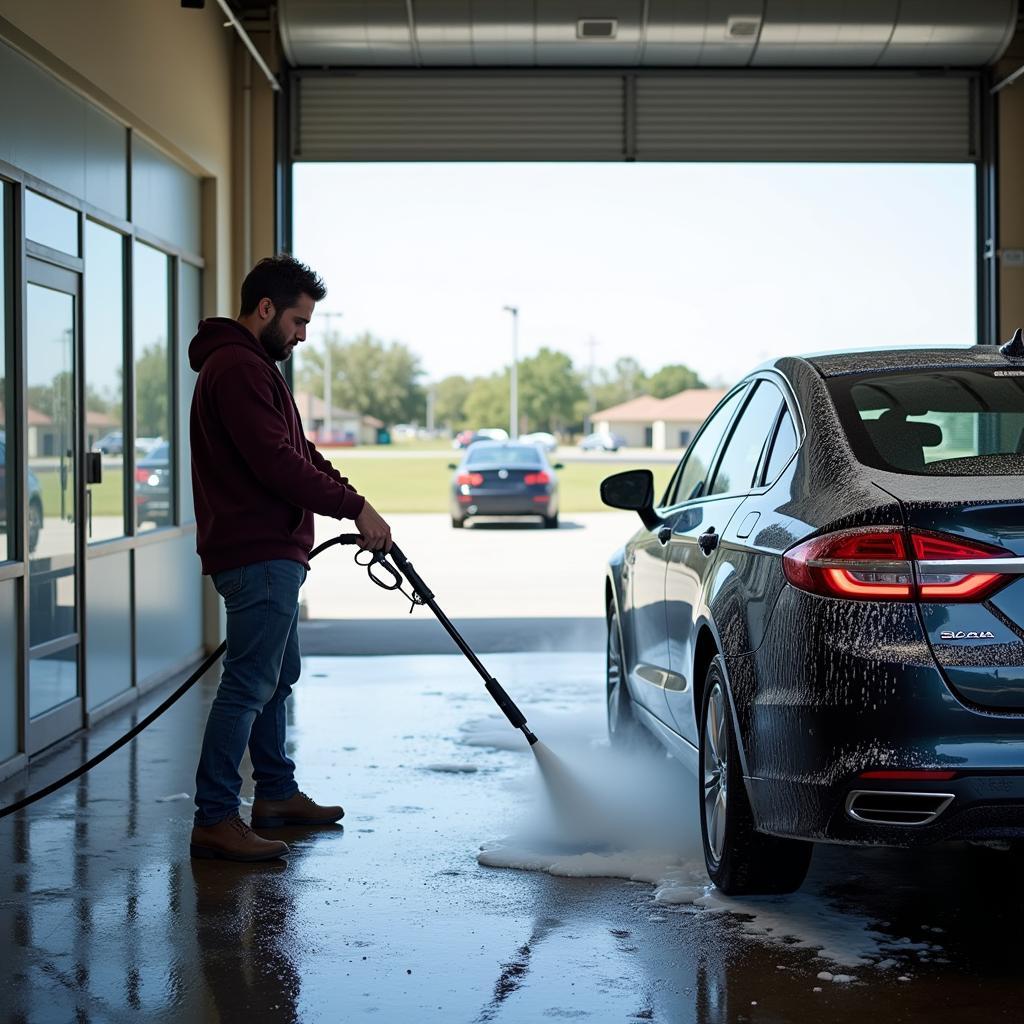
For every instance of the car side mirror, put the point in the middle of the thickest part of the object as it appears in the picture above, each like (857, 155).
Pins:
(632, 490)
(452, 465)
(558, 465)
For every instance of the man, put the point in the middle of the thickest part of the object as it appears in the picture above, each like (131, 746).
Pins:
(257, 482)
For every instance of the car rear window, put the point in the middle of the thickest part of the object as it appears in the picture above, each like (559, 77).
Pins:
(503, 455)
(935, 423)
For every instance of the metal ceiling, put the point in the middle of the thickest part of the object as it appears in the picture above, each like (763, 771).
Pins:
(646, 33)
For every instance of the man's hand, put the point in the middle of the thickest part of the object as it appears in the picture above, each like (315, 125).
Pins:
(374, 533)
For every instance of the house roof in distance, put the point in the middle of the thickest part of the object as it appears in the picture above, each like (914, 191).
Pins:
(690, 406)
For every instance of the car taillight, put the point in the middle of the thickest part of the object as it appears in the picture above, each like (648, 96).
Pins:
(874, 563)
(472, 479)
(939, 582)
(537, 478)
(142, 476)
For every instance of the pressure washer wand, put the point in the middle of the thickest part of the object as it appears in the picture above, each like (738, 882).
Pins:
(493, 687)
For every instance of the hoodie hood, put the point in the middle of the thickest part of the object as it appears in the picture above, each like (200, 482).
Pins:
(218, 332)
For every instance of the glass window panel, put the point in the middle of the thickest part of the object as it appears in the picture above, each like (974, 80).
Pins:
(50, 223)
(50, 326)
(736, 468)
(52, 680)
(104, 378)
(154, 480)
(8, 495)
(689, 479)
(190, 304)
(782, 449)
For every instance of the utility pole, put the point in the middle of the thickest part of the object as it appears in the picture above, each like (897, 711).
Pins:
(513, 385)
(430, 409)
(588, 426)
(328, 426)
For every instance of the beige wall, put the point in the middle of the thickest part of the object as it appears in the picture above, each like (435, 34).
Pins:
(1011, 189)
(163, 70)
(633, 434)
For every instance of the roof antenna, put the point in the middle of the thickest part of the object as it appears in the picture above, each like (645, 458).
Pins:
(1014, 348)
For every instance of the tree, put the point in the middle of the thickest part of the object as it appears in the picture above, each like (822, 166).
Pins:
(152, 391)
(487, 401)
(549, 390)
(672, 379)
(368, 377)
(624, 381)
(450, 396)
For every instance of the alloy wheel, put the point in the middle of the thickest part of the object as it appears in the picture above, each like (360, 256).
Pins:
(613, 674)
(715, 761)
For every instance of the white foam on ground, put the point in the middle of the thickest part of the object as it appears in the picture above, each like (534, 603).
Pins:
(593, 812)
(454, 769)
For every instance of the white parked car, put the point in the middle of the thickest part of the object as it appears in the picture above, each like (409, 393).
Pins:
(601, 443)
(547, 441)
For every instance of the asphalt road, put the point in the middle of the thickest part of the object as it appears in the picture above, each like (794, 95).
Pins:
(392, 917)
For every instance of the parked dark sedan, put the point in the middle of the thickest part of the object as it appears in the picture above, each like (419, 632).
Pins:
(503, 478)
(153, 486)
(823, 615)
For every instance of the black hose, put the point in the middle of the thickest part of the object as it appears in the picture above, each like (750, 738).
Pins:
(421, 595)
(208, 663)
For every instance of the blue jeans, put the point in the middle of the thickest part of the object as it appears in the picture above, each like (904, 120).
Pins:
(260, 667)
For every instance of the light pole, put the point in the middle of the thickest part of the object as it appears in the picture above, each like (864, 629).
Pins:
(328, 426)
(513, 385)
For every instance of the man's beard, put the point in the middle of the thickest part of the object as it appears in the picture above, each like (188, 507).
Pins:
(274, 343)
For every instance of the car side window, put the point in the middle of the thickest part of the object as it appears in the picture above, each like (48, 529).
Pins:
(783, 447)
(739, 462)
(689, 479)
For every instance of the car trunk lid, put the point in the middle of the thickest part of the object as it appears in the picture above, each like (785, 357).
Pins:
(979, 643)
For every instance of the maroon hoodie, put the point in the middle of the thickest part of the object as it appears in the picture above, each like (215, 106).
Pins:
(256, 479)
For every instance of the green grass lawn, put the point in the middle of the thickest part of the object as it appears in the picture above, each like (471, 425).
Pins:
(395, 484)
(106, 497)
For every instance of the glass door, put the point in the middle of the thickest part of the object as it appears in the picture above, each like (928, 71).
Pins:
(51, 511)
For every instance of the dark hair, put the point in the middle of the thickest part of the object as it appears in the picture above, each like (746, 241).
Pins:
(282, 279)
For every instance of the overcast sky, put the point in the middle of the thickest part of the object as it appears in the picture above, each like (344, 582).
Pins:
(718, 266)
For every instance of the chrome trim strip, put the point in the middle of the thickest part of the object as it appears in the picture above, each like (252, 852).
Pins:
(1005, 566)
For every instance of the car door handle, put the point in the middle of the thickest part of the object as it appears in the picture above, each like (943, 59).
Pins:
(708, 540)
(665, 534)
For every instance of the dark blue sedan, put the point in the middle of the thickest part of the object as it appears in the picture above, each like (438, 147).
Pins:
(503, 478)
(823, 614)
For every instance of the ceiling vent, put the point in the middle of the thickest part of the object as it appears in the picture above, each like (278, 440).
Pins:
(742, 28)
(597, 28)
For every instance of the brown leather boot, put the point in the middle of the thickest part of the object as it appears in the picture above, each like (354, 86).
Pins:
(296, 810)
(232, 839)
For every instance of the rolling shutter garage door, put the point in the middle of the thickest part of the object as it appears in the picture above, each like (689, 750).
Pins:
(810, 116)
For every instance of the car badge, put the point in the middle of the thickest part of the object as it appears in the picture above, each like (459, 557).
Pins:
(502, 474)
(959, 634)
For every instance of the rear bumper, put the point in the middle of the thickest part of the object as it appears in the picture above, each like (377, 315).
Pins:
(984, 806)
(503, 505)
(842, 687)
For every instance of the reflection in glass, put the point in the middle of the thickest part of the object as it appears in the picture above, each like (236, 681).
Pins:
(52, 680)
(104, 378)
(50, 337)
(50, 223)
(8, 495)
(154, 485)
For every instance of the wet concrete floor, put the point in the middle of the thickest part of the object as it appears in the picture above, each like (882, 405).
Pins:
(104, 917)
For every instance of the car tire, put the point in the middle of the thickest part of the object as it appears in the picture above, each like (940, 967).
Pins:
(624, 730)
(740, 860)
(35, 523)
(551, 522)
(458, 523)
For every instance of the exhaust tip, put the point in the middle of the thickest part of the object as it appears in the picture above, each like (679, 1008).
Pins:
(891, 807)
